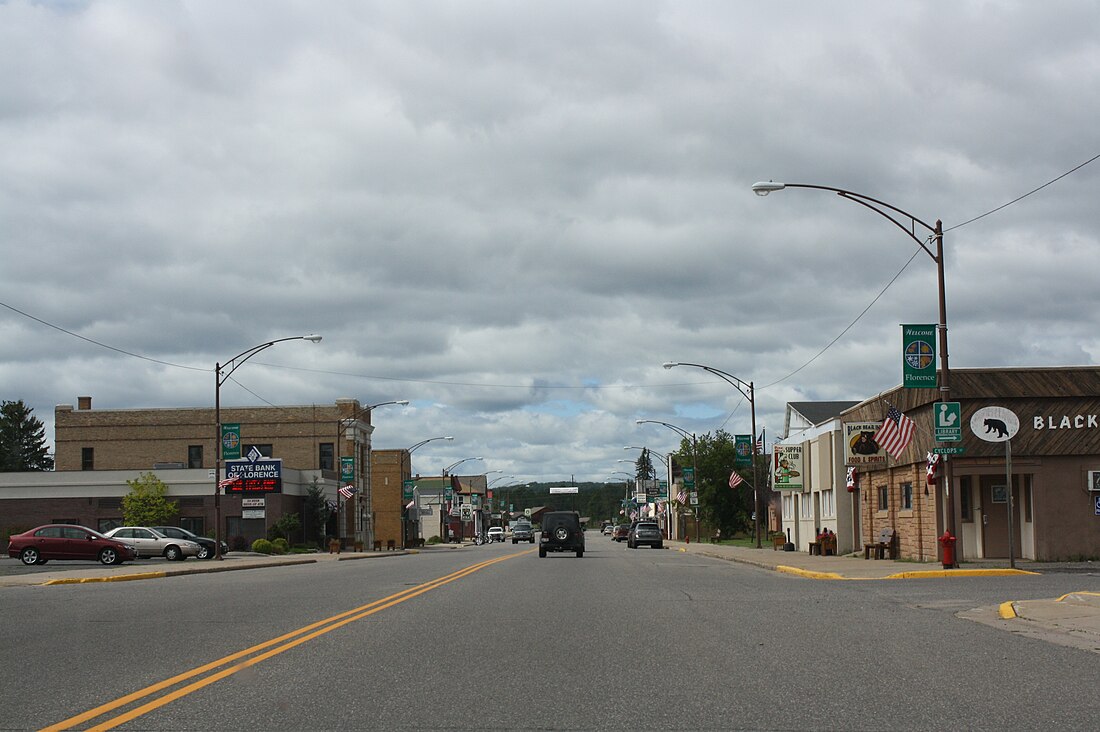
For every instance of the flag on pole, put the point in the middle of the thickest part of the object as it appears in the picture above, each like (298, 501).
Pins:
(760, 443)
(682, 496)
(347, 491)
(896, 432)
(735, 479)
(933, 466)
(229, 482)
(851, 480)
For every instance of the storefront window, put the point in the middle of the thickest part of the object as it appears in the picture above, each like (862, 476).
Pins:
(906, 496)
(965, 499)
(883, 498)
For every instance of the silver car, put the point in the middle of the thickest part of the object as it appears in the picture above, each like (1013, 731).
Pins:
(151, 543)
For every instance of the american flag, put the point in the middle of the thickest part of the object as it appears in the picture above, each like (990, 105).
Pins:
(347, 491)
(229, 482)
(896, 433)
(682, 496)
(735, 479)
(760, 443)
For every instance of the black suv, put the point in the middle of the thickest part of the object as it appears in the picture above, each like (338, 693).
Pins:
(523, 531)
(561, 532)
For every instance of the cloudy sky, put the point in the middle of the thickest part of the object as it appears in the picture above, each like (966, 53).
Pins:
(511, 213)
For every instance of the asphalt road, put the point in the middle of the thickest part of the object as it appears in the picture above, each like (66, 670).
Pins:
(495, 638)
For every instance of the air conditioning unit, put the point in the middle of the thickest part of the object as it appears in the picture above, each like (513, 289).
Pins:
(1094, 480)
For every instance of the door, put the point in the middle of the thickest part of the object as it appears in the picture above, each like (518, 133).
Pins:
(994, 508)
(79, 544)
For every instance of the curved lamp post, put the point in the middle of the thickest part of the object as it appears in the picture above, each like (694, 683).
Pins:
(362, 534)
(222, 372)
(898, 218)
(405, 512)
(749, 392)
(694, 463)
(442, 492)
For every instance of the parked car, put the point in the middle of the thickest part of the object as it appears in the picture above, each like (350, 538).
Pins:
(645, 532)
(523, 532)
(496, 533)
(66, 541)
(607, 529)
(206, 544)
(620, 532)
(561, 532)
(152, 543)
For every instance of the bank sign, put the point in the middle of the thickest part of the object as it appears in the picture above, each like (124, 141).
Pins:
(261, 475)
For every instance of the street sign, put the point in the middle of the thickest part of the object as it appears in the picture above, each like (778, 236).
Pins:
(1096, 502)
(948, 422)
(994, 424)
(949, 450)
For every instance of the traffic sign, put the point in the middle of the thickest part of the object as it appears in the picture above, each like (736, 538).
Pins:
(948, 422)
(949, 450)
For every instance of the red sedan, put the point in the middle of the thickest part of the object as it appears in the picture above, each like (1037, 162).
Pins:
(65, 541)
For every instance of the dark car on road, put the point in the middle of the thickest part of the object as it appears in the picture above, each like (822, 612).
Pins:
(620, 532)
(67, 541)
(561, 532)
(647, 533)
(206, 545)
(523, 532)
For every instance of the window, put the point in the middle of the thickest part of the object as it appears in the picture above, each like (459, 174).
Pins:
(192, 524)
(906, 496)
(194, 456)
(265, 450)
(327, 456)
(1027, 498)
(965, 499)
(827, 507)
(105, 525)
(883, 498)
(87, 458)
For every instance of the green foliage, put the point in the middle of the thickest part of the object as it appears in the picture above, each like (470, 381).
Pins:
(434, 540)
(146, 504)
(22, 439)
(263, 546)
(286, 527)
(315, 515)
(729, 509)
(280, 546)
(643, 466)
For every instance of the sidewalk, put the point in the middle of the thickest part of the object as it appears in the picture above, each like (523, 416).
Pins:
(85, 572)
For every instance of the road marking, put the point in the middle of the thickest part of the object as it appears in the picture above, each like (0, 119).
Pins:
(246, 658)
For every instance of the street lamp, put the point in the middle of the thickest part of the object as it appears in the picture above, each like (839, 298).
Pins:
(442, 491)
(694, 463)
(342, 426)
(405, 512)
(220, 378)
(897, 217)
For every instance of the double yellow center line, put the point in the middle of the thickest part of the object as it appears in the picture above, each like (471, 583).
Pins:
(169, 690)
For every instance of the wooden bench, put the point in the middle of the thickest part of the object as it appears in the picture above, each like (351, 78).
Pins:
(377, 545)
(825, 546)
(391, 545)
(778, 541)
(887, 544)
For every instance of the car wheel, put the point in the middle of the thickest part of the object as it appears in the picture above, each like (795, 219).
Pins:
(532, 540)
(204, 552)
(109, 556)
(580, 553)
(542, 553)
(658, 546)
(31, 556)
(173, 553)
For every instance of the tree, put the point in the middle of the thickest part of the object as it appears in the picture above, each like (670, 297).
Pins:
(286, 527)
(721, 507)
(315, 514)
(22, 439)
(146, 504)
(643, 466)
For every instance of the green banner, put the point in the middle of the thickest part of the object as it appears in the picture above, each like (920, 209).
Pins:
(742, 451)
(347, 469)
(407, 488)
(231, 441)
(918, 364)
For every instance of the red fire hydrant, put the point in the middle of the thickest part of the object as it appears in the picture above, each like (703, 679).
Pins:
(947, 542)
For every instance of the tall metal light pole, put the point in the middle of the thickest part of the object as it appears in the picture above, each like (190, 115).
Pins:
(220, 378)
(694, 462)
(342, 426)
(749, 392)
(898, 217)
(405, 512)
(442, 492)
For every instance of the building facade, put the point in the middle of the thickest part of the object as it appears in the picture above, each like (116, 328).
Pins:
(1037, 482)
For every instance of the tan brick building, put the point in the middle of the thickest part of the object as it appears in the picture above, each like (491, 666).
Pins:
(306, 438)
